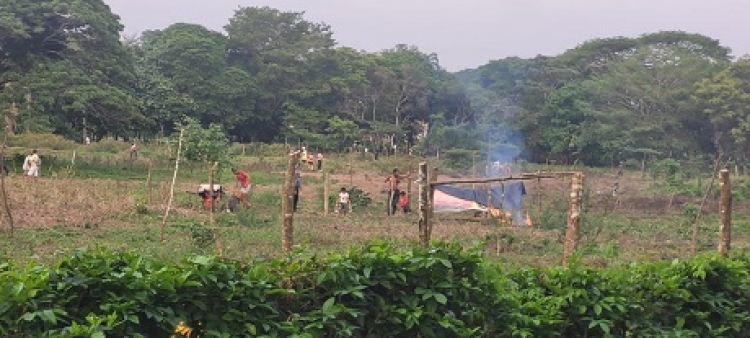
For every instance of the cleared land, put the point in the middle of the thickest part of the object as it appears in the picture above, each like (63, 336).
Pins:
(121, 210)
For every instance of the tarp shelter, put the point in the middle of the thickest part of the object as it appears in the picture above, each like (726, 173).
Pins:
(507, 196)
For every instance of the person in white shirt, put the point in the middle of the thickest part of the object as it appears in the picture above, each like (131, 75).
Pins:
(34, 163)
(26, 165)
(344, 202)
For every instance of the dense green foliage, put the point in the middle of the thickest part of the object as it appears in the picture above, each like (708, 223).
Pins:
(443, 291)
(272, 76)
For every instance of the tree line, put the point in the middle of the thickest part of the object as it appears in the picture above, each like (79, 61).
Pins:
(661, 95)
(273, 76)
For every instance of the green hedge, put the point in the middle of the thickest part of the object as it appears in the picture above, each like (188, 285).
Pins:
(443, 291)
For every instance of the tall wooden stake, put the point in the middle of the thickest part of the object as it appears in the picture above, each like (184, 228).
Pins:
(539, 198)
(326, 192)
(696, 220)
(351, 167)
(433, 178)
(424, 203)
(212, 215)
(287, 205)
(573, 231)
(408, 182)
(148, 184)
(6, 202)
(171, 189)
(725, 229)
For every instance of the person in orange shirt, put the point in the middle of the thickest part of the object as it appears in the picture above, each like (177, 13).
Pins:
(243, 184)
(310, 162)
(403, 202)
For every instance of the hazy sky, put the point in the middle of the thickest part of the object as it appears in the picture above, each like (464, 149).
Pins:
(469, 33)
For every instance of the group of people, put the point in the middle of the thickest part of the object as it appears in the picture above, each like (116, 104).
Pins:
(397, 199)
(343, 201)
(310, 160)
(212, 199)
(31, 164)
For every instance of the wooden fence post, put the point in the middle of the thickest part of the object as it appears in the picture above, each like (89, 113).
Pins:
(326, 192)
(148, 184)
(725, 229)
(408, 181)
(431, 197)
(171, 187)
(574, 217)
(287, 204)
(424, 201)
(212, 215)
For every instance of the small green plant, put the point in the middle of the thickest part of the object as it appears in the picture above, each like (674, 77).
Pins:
(202, 236)
(359, 198)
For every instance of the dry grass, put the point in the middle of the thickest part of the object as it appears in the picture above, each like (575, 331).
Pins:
(54, 215)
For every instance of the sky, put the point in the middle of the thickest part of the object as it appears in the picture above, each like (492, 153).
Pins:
(468, 33)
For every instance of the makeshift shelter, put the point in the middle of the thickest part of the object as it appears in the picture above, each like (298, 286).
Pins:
(507, 197)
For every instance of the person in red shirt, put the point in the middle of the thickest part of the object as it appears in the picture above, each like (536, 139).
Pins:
(243, 184)
(403, 202)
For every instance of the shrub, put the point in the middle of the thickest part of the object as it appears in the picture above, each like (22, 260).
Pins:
(373, 291)
(358, 197)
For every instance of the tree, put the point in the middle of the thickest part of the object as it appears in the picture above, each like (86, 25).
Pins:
(204, 145)
(725, 98)
(188, 74)
(277, 48)
(66, 59)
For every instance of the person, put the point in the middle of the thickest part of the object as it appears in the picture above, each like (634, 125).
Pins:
(133, 151)
(344, 201)
(303, 155)
(310, 162)
(26, 165)
(393, 192)
(34, 163)
(243, 185)
(320, 161)
(88, 140)
(403, 202)
(297, 188)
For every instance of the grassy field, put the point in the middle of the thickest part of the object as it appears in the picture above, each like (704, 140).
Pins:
(107, 200)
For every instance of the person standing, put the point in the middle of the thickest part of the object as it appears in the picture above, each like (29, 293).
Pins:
(393, 191)
(403, 202)
(320, 161)
(310, 162)
(243, 185)
(344, 201)
(133, 151)
(26, 164)
(297, 188)
(34, 163)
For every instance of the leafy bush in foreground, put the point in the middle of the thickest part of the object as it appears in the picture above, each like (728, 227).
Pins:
(442, 291)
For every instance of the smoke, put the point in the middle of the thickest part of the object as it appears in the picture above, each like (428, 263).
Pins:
(504, 146)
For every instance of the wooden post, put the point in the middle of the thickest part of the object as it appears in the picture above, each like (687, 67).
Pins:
(696, 224)
(539, 198)
(148, 184)
(474, 168)
(171, 188)
(574, 217)
(326, 192)
(424, 201)
(287, 205)
(433, 178)
(725, 229)
(408, 181)
(488, 186)
(212, 215)
(351, 168)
